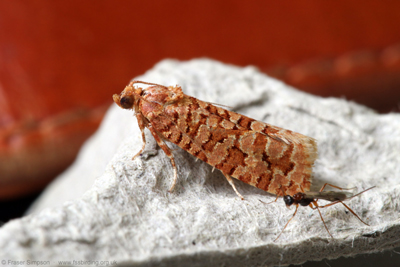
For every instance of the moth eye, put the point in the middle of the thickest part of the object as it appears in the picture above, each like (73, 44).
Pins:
(126, 102)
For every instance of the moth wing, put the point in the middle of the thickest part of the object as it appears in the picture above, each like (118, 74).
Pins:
(257, 153)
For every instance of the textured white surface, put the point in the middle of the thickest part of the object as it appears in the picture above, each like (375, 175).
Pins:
(127, 214)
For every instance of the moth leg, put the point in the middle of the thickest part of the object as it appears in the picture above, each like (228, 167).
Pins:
(233, 185)
(168, 152)
(141, 127)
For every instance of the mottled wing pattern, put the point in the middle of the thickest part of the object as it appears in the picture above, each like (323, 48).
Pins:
(265, 156)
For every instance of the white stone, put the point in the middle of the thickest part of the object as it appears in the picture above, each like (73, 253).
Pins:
(108, 207)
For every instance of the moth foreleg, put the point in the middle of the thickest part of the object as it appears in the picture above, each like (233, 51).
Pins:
(141, 127)
(168, 152)
(233, 185)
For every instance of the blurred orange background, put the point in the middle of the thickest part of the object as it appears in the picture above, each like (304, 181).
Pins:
(61, 61)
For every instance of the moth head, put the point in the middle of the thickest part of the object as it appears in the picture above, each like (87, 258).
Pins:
(126, 99)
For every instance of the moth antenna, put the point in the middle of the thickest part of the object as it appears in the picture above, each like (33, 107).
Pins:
(219, 105)
(136, 81)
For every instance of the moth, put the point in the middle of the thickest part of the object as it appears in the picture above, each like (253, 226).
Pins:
(262, 155)
(311, 199)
